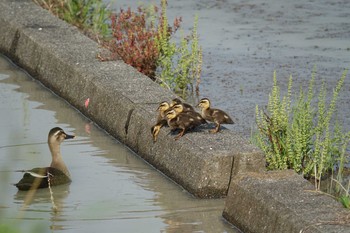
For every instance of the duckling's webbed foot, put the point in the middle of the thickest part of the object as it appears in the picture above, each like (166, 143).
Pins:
(180, 134)
(154, 139)
(217, 128)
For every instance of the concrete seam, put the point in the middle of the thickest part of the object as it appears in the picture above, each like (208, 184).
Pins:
(231, 175)
(126, 127)
(14, 43)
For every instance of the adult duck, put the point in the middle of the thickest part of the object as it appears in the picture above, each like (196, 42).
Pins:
(56, 174)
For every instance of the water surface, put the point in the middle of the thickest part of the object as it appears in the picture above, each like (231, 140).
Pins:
(113, 190)
(244, 42)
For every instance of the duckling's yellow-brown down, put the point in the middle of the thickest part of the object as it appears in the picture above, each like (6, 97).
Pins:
(186, 106)
(214, 115)
(180, 108)
(161, 119)
(156, 129)
(181, 121)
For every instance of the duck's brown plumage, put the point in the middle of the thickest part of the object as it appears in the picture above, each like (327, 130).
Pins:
(180, 108)
(57, 173)
(181, 121)
(186, 106)
(214, 115)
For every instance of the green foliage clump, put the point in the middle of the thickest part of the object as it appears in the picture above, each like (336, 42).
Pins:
(91, 16)
(300, 137)
(345, 200)
(179, 66)
(143, 39)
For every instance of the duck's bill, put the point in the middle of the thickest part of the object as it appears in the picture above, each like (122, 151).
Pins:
(69, 136)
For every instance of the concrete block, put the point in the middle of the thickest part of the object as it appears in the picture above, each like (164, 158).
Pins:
(282, 201)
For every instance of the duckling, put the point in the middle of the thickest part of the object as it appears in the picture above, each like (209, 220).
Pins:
(179, 108)
(214, 115)
(161, 119)
(187, 107)
(56, 174)
(180, 121)
(162, 108)
(156, 129)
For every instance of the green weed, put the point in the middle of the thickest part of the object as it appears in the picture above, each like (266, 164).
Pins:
(91, 16)
(302, 137)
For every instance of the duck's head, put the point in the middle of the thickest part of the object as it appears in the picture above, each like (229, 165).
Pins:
(178, 108)
(163, 106)
(204, 103)
(57, 135)
(175, 101)
(170, 114)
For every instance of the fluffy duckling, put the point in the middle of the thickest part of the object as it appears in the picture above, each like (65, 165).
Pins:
(161, 119)
(162, 108)
(156, 129)
(56, 174)
(180, 121)
(179, 108)
(214, 115)
(187, 107)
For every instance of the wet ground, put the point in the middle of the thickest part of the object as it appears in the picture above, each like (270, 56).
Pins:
(244, 42)
(113, 190)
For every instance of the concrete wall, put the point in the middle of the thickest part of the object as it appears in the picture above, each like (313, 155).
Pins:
(123, 102)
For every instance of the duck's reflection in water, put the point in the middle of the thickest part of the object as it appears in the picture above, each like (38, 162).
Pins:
(37, 201)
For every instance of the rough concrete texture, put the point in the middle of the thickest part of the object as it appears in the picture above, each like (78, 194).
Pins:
(282, 201)
(122, 100)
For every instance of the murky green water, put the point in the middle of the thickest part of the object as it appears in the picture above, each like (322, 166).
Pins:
(112, 190)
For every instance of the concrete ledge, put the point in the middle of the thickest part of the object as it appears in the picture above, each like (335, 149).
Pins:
(122, 100)
(275, 202)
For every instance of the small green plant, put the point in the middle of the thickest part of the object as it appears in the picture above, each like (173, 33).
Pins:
(345, 200)
(299, 137)
(179, 66)
(272, 128)
(91, 16)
